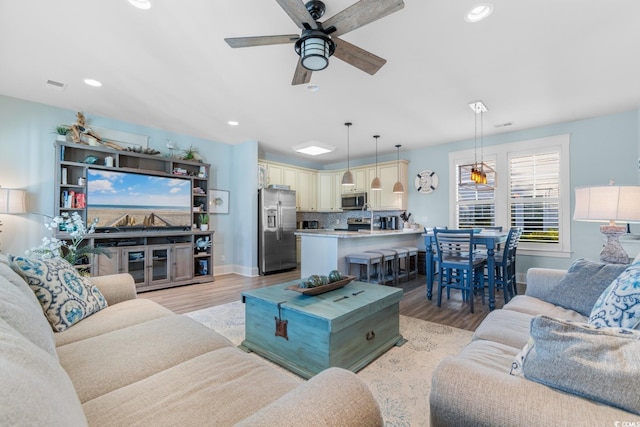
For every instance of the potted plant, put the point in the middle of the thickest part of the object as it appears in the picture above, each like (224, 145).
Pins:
(62, 132)
(191, 153)
(204, 222)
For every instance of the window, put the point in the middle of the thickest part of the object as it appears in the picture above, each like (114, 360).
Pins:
(532, 191)
(474, 208)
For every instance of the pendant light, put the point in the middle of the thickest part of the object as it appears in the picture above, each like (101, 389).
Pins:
(481, 175)
(376, 185)
(347, 178)
(398, 188)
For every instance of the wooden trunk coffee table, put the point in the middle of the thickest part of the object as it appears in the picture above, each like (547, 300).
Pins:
(347, 327)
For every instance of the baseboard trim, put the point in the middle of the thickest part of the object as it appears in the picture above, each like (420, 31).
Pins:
(242, 270)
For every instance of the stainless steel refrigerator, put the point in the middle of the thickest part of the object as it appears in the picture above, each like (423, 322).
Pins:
(276, 225)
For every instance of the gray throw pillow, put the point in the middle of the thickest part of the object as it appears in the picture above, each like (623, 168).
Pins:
(584, 283)
(597, 363)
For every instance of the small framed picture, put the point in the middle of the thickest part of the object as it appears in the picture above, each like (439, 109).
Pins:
(219, 201)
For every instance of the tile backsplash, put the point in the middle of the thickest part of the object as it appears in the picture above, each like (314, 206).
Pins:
(331, 220)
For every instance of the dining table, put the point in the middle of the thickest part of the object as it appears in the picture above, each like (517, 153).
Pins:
(491, 239)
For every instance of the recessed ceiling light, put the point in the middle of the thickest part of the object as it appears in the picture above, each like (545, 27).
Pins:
(313, 88)
(141, 4)
(92, 82)
(233, 123)
(313, 148)
(479, 12)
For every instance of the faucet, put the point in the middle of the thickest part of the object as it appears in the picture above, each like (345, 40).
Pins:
(364, 208)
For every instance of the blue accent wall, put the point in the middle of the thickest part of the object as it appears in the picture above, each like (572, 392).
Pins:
(602, 148)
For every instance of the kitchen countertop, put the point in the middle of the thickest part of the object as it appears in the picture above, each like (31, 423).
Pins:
(341, 234)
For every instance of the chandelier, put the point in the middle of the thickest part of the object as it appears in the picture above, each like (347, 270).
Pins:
(481, 175)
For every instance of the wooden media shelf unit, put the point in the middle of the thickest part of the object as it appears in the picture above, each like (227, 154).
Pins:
(155, 251)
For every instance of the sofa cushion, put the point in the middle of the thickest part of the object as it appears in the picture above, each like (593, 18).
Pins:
(114, 317)
(619, 304)
(131, 354)
(596, 363)
(36, 391)
(584, 283)
(535, 306)
(220, 387)
(65, 296)
(506, 327)
(20, 309)
(474, 388)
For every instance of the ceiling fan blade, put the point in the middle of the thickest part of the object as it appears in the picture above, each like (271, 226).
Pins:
(359, 58)
(261, 40)
(298, 13)
(361, 13)
(301, 75)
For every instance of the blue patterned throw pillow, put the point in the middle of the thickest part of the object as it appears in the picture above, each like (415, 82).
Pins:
(619, 304)
(65, 296)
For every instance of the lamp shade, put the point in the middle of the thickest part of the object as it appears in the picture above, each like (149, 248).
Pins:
(607, 203)
(398, 188)
(347, 178)
(376, 184)
(12, 201)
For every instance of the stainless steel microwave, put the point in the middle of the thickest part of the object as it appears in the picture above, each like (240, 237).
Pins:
(354, 201)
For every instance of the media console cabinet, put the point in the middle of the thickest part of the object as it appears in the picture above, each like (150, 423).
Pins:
(157, 255)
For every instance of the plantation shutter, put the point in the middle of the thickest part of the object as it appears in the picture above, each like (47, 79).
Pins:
(475, 208)
(534, 196)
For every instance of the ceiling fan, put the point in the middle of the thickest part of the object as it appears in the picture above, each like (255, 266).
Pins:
(319, 40)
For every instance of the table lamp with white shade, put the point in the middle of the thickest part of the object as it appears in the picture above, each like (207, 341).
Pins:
(12, 201)
(609, 203)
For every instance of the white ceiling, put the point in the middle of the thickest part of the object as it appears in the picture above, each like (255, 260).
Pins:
(531, 62)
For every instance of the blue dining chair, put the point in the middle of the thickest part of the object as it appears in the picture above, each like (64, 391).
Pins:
(506, 265)
(458, 266)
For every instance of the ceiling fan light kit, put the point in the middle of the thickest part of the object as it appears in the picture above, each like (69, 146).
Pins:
(315, 48)
(315, 45)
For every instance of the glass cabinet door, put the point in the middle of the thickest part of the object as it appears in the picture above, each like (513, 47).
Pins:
(159, 265)
(135, 261)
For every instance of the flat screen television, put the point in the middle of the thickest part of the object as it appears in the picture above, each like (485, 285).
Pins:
(136, 200)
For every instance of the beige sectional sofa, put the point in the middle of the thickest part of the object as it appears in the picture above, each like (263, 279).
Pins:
(137, 363)
(475, 388)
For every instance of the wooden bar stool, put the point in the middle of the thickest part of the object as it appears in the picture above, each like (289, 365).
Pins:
(388, 271)
(412, 261)
(402, 263)
(365, 259)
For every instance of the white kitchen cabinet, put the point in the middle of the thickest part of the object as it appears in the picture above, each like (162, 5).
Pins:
(359, 180)
(302, 181)
(290, 178)
(274, 174)
(329, 192)
(306, 191)
(322, 190)
(337, 190)
(386, 199)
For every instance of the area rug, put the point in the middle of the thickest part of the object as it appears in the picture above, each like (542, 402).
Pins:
(400, 379)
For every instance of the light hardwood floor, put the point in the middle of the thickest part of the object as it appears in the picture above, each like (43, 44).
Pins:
(228, 288)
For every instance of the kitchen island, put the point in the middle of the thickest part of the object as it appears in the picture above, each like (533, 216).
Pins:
(325, 250)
